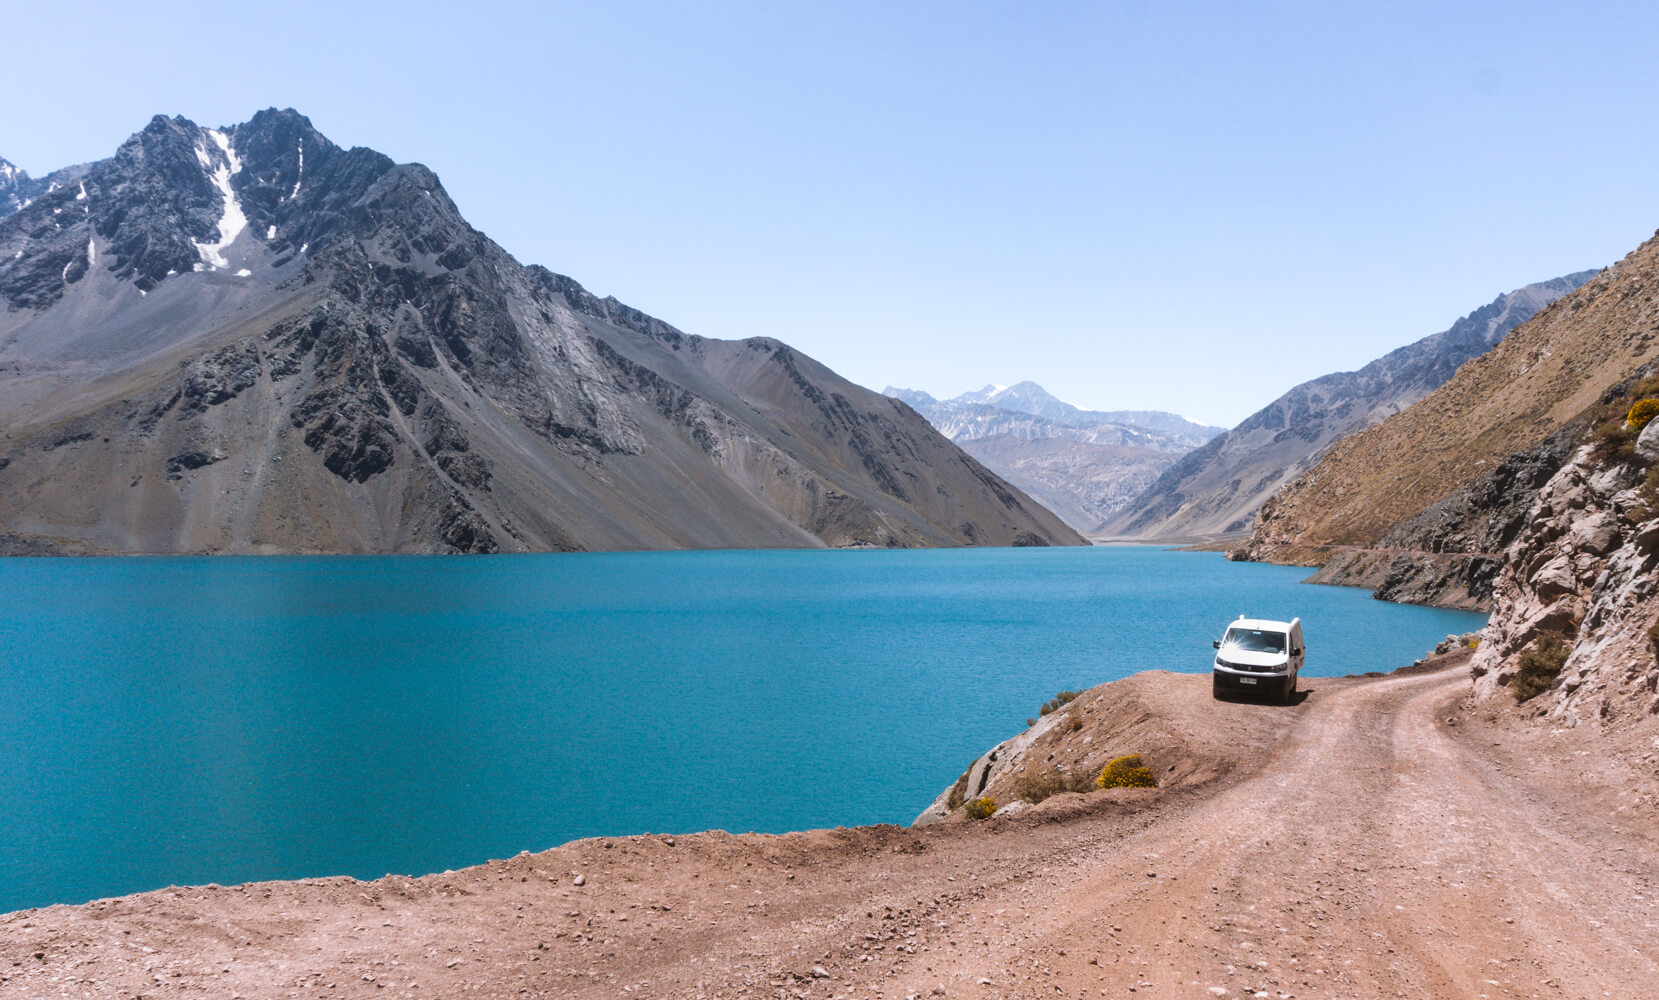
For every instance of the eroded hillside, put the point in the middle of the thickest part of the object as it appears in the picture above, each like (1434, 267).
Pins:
(1502, 407)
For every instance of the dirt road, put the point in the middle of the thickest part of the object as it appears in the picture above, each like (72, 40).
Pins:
(1372, 850)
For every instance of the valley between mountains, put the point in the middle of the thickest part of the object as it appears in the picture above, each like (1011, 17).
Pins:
(253, 340)
(1384, 837)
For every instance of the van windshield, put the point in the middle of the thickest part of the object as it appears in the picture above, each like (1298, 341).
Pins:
(1254, 640)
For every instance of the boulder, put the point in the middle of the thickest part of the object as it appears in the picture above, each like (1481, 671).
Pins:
(1647, 443)
(1554, 579)
(1597, 534)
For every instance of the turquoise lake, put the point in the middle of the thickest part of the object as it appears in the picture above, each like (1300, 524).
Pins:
(177, 721)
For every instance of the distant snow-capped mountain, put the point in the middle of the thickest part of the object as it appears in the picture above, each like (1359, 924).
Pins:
(1033, 399)
(1085, 465)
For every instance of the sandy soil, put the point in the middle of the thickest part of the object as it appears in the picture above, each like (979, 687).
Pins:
(1386, 841)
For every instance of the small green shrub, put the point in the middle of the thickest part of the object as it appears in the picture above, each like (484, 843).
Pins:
(1539, 665)
(1613, 440)
(1647, 498)
(1126, 772)
(1615, 425)
(1641, 412)
(1059, 700)
(982, 808)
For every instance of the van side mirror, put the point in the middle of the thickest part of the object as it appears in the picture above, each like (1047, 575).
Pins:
(1216, 643)
(1296, 652)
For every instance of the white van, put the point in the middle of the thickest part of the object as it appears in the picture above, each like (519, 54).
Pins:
(1259, 656)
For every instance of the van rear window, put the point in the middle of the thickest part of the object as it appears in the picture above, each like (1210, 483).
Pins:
(1254, 640)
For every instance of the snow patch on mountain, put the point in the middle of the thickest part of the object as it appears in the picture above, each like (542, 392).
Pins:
(301, 178)
(233, 221)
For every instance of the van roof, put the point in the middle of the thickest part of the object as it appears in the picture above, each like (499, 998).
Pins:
(1263, 624)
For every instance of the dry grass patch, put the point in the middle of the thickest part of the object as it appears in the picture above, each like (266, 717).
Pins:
(1540, 664)
(1034, 788)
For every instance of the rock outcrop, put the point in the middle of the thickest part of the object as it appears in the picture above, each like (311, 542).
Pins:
(1182, 733)
(1585, 568)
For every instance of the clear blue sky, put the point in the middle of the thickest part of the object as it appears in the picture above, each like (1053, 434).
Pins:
(1139, 205)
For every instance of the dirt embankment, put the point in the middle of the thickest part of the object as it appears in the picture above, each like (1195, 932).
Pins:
(1378, 838)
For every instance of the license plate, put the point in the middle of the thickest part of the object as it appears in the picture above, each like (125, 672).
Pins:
(1247, 680)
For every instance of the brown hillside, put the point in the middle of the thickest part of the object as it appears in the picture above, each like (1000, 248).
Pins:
(1543, 375)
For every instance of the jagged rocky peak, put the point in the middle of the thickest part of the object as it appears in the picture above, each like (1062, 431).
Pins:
(181, 197)
(15, 187)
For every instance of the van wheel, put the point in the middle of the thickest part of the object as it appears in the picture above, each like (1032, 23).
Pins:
(1289, 695)
(1215, 687)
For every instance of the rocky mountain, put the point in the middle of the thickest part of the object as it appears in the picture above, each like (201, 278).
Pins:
(1217, 488)
(249, 339)
(1428, 502)
(1082, 464)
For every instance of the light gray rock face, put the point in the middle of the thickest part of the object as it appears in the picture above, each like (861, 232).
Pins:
(1000, 760)
(1647, 443)
(1583, 567)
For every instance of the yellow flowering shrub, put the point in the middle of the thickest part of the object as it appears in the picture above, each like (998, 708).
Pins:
(1126, 772)
(1641, 412)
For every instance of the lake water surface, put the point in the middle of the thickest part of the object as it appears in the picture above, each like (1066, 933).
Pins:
(191, 720)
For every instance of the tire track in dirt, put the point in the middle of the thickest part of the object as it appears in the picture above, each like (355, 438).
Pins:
(1374, 856)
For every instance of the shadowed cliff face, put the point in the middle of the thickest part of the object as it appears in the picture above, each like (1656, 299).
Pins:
(251, 339)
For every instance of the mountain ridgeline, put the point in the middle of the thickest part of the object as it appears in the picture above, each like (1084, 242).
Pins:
(250, 339)
(1084, 465)
(18, 189)
(1426, 504)
(1217, 489)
